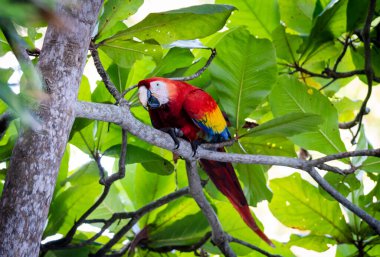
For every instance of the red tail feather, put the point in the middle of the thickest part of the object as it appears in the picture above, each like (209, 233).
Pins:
(223, 176)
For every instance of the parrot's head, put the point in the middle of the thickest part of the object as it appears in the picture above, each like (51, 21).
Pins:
(155, 92)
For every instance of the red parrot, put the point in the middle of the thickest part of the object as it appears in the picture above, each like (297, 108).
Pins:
(189, 112)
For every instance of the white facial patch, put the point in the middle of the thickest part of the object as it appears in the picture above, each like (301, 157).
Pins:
(159, 90)
(143, 97)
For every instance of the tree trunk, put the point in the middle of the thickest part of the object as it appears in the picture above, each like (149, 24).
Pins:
(36, 157)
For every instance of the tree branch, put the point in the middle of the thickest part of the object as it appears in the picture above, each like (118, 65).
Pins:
(134, 218)
(367, 64)
(219, 237)
(103, 74)
(123, 117)
(201, 70)
(251, 246)
(371, 221)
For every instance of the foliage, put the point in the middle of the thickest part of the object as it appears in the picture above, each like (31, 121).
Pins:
(271, 69)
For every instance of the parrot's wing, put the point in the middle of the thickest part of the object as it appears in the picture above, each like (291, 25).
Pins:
(205, 113)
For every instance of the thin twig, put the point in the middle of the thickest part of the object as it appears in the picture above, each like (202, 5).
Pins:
(219, 237)
(251, 246)
(367, 64)
(373, 222)
(135, 216)
(342, 54)
(201, 70)
(103, 74)
(338, 156)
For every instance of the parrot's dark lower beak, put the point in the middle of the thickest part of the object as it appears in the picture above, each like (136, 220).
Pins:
(153, 102)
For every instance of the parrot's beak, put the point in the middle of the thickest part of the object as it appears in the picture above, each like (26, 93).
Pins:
(153, 102)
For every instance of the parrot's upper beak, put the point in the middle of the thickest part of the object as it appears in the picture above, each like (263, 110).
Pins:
(147, 99)
(153, 102)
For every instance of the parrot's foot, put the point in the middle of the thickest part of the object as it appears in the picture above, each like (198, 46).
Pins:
(194, 146)
(174, 134)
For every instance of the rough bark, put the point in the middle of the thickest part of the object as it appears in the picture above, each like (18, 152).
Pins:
(36, 156)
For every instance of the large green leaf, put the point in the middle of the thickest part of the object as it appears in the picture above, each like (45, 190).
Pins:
(297, 14)
(234, 225)
(330, 24)
(286, 44)
(114, 11)
(261, 17)
(151, 161)
(298, 204)
(71, 203)
(371, 164)
(176, 58)
(126, 52)
(144, 187)
(356, 14)
(311, 242)
(180, 223)
(290, 95)
(244, 72)
(186, 23)
(288, 125)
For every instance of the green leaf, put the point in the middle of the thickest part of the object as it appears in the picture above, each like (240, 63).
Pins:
(288, 125)
(255, 183)
(114, 11)
(234, 225)
(176, 58)
(70, 204)
(287, 45)
(118, 76)
(298, 204)
(181, 223)
(4, 46)
(152, 162)
(290, 95)
(311, 242)
(126, 52)
(261, 17)
(356, 14)
(244, 72)
(330, 24)
(18, 105)
(144, 187)
(347, 108)
(186, 23)
(297, 14)
(371, 164)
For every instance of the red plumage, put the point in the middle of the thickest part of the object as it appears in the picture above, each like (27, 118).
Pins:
(176, 104)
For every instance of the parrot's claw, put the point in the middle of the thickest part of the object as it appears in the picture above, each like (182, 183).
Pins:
(174, 134)
(194, 146)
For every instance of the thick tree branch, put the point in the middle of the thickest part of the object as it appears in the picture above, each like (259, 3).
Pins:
(219, 237)
(123, 117)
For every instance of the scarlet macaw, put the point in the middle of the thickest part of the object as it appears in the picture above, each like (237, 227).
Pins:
(189, 112)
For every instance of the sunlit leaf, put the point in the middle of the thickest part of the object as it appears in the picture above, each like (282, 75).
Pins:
(288, 125)
(261, 17)
(244, 72)
(297, 15)
(180, 223)
(298, 204)
(186, 23)
(290, 95)
(114, 11)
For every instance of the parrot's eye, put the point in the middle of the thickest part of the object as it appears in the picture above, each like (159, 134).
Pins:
(157, 84)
